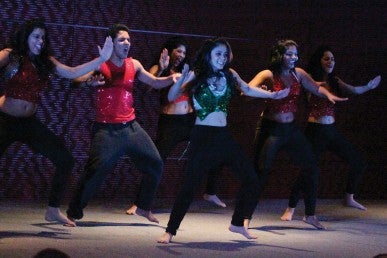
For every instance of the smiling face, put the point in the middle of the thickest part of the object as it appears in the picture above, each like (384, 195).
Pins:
(121, 45)
(327, 62)
(290, 57)
(219, 57)
(178, 55)
(36, 41)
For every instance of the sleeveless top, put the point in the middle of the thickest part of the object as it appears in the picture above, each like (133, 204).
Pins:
(114, 99)
(26, 84)
(320, 107)
(287, 104)
(207, 100)
(164, 97)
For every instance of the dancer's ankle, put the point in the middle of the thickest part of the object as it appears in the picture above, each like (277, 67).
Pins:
(166, 238)
(242, 230)
(313, 220)
(351, 202)
(288, 214)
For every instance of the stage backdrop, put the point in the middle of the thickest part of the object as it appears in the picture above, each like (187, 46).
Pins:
(356, 30)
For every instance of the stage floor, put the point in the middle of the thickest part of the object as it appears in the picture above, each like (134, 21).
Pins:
(106, 231)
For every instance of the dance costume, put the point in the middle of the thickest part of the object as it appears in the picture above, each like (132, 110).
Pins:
(326, 137)
(27, 85)
(116, 133)
(271, 136)
(213, 146)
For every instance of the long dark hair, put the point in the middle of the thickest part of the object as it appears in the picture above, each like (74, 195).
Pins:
(20, 49)
(277, 52)
(202, 64)
(171, 44)
(316, 71)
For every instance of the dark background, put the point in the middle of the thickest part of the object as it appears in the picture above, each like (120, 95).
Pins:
(356, 30)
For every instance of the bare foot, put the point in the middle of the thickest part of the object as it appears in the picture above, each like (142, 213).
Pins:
(54, 214)
(242, 230)
(313, 220)
(246, 223)
(147, 214)
(132, 210)
(215, 199)
(165, 238)
(72, 222)
(350, 202)
(288, 214)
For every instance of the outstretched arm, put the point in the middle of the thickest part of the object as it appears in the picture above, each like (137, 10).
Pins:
(179, 87)
(92, 79)
(77, 71)
(357, 90)
(258, 92)
(148, 78)
(308, 83)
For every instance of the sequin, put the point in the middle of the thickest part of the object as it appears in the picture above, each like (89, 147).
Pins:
(321, 107)
(287, 104)
(114, 100)
(26, 83)
(207, 100)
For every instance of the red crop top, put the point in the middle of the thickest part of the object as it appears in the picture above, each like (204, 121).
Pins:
(114, 100)
(320, 106)
(164, 97)
(287, 104)
(164, 94)
(26, 83)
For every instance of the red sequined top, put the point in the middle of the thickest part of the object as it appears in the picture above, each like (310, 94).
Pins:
(114, 100)
(26, 83)
(164, 97)
(181, 98)
(287, 104)
(320, 106)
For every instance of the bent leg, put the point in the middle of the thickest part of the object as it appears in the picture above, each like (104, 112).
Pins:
(145, 156)
(106, 149)
(42, 140)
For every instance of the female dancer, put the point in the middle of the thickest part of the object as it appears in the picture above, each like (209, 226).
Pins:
(28, 65)
(321, 129)
(210, 86)
(277, 128)
(177, 117)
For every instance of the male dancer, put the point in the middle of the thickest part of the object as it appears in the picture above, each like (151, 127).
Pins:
(115, 131)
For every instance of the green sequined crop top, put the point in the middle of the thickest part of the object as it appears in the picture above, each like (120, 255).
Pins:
(207, 100)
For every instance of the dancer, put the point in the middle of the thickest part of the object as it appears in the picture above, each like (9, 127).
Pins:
(321, 129)
(277, 128)
(116, 131)
(177, 117)
(27, 67)
(210, 86)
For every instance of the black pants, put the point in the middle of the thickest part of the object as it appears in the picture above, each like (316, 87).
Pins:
(110, 142)
(174, 129)
(270, 138)
(213, 147)
(40, 139)
(327, 138)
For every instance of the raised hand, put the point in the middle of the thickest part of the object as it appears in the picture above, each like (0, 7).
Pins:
(107, 49)
(164, 59)
(185, 70)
